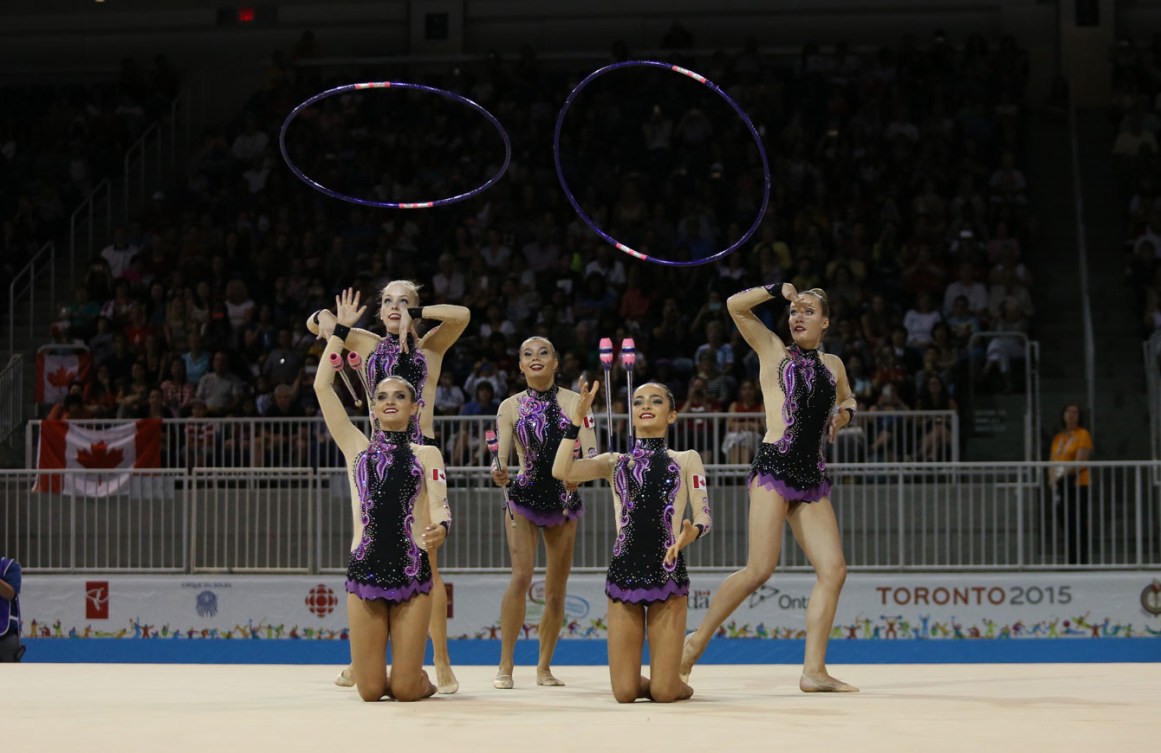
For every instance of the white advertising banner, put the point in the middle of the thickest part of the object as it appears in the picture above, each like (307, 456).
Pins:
(874, 606)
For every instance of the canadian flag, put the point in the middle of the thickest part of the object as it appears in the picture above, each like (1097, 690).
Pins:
(437, 474)
(56, 370)
(698, 481)
(588, 421)
(114, 450)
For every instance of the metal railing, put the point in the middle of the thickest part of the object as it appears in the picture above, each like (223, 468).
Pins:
(90, 223)
(875, 436)
(12, 397)
(149, 160)
(988, 345)
(1152, 348)
(22, 289)
(957, 516)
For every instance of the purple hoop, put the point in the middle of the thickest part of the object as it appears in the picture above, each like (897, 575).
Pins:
(392, 204)
(701, 80)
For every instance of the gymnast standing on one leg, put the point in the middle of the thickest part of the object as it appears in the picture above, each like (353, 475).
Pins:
(402, 491)
(647, 584)
(537, 418)
(787, 482)
(418, 360)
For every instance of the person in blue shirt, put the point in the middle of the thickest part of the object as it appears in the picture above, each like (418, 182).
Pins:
(10, 648)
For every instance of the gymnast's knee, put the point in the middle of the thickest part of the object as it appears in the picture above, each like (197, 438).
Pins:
(755, 576)
(833, 576)
(625, 694)
(372, 693)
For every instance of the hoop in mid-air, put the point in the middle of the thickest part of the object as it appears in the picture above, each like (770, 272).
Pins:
(701, 80)
(393, 204)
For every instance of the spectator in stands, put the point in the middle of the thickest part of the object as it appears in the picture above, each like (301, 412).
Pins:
(197, 361)
(1009, 290)
(118, 308)
(251, 143)
(177, 392)
(698, 401)
(284, 442)
(1002, 350)
(936, 433)
(974, 293)
(608, 266)
(448, 285)
(449, 398)
(884, 431)
(220, 389)
(119, 360)
(240, 308)
(744, 427)
(1070, 485)
(283, 364)
(716, 345)
(72, 406)
(82, 314)
(119, 253)
(1133, 138)
(920, 320)
(100, 394)
(133, 393)
(495, 252)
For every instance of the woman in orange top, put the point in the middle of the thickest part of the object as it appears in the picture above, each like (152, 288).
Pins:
(1070, 484)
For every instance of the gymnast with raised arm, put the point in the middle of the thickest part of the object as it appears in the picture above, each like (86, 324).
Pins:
(536, 419)
(417, 360)
(801, 389)
(403, 513)
(647, 584)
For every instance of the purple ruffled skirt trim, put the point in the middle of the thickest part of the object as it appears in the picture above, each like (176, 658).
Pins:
(548, 519)
(393, 595)
(787, 492)
(646, 595)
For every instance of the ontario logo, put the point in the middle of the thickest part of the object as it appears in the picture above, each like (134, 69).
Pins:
(1151, 599)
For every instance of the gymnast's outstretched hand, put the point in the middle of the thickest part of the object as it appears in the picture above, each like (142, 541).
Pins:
(687, 536)
(584, 404)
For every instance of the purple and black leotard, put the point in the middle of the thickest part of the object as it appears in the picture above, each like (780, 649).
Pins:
(539, 426)
(647, 481)
(387, 563)
(795, 465)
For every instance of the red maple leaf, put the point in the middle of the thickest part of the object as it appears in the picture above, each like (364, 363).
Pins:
(99, 456)
(62, 377)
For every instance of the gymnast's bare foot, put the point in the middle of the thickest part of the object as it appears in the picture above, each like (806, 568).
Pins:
(446, 680)
(690, 653)
(824, 684)
(544, 677)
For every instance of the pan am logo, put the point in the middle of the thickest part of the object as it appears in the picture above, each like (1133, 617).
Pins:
(207, 604)
(575, 607)
(1151, 599)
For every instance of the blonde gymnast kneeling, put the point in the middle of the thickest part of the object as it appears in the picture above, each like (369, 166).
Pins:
(647, 584)
(402, 491)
